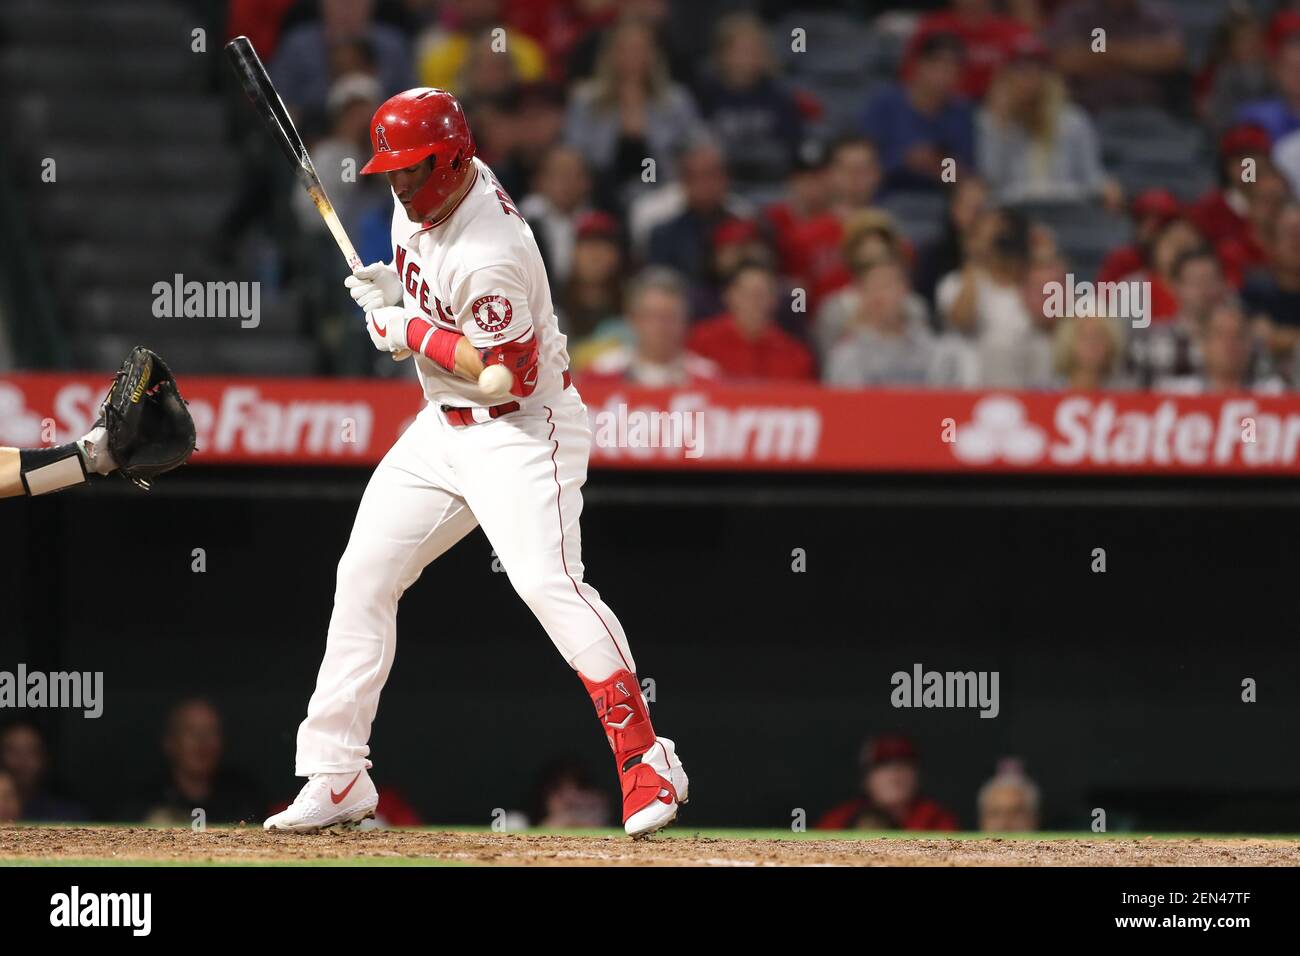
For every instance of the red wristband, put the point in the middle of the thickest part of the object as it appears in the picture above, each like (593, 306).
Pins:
(440, 346)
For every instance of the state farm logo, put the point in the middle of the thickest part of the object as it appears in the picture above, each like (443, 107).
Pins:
(19, 426)
(999, 430)
(1129, 431)
(491, 312)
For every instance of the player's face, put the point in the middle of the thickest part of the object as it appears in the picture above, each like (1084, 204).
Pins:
(407, 182)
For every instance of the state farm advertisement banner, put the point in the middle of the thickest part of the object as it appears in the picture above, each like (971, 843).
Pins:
(787, 428)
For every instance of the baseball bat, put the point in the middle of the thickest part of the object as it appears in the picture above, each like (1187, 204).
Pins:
(261, 93)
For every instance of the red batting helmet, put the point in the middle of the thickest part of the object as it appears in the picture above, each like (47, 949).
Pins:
(411, 127)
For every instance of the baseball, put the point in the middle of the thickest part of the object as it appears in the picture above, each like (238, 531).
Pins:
(496, 381)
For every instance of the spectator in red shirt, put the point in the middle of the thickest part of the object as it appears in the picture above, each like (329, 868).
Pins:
(1282, 27)
(988, 36)
(746, 342)
(808, 197)
(890, 798)
(1151, 211)
(1221, 213)
(1250, 252)
(734, 241)
(260, 21)
(814, 244)
(1175, 240)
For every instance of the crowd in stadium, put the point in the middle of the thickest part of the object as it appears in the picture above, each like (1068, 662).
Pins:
(739, 198)
(196, 773)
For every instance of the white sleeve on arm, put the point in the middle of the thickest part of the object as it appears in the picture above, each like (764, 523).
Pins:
(491, 306)
(945, 294)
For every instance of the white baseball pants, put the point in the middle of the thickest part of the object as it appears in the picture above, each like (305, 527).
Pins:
(520, 476)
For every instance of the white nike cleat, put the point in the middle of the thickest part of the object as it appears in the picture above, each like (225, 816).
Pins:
(328, 800)
(673, 786)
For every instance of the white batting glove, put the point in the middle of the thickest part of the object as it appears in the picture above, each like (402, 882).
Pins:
(387, 328)
(375, 286)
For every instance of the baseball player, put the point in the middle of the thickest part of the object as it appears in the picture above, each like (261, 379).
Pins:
(467, 289)
(143, 430)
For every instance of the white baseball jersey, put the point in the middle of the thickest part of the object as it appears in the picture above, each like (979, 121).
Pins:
(478, 271)
(519, 476)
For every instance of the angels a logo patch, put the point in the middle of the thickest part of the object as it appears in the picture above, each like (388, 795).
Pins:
(491, 312)
(381, 140)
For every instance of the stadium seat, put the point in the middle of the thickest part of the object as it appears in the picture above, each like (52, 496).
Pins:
(919, 214)
(78, 101)
(1085, 232)
(840, 45)
(241, 353)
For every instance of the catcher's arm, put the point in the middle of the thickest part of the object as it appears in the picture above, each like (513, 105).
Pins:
(144, 430)
(39, 471)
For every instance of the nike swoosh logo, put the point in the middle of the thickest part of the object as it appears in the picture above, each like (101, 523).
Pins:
(340, 797)
(381, 329)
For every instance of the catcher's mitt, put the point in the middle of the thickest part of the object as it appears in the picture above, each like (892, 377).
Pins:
(149, 429)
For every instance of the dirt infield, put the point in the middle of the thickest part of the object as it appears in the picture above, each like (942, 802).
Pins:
(236, 846)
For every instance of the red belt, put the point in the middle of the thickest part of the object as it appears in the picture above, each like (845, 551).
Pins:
(460, 417)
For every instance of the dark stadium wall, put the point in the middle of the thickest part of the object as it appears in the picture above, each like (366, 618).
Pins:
(1119, 690)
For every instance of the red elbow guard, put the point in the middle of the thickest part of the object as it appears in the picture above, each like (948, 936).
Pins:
(438, 345)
